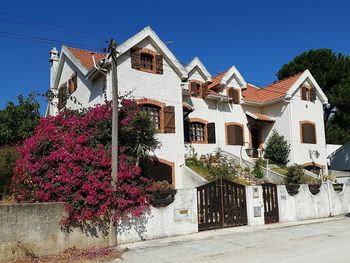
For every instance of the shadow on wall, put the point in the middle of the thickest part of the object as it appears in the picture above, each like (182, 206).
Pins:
(97, 228)
(138, 224)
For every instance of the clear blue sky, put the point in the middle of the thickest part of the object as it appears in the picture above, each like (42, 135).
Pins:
(255, 36)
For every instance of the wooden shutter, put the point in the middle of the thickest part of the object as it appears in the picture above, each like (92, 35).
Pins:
(211, 132)
(135, 58)
(308, 133)
(313, 94)
(72, 83)
(62, 96)
(230, 134)
(235, 96)
(238, 135)
(303, 93)
(204, 91)
(186, 130)
(159, 64)
(169, 119)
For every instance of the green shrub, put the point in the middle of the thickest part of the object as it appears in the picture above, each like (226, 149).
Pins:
(295, 174)
(258, 172)
(277, 148)
(8, 157)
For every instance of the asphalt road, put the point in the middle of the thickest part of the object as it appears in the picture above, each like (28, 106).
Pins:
(311, 243)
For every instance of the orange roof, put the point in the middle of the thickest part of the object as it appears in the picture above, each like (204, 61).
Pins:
(271, 92)
(85, 57)
(217, 79)
(260, 117)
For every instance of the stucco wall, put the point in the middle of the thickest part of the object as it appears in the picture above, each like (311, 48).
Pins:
(179, 218)
(305, 205)
(36, 227)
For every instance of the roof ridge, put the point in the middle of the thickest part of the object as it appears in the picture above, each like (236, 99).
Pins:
(282, 80)
(90, 51)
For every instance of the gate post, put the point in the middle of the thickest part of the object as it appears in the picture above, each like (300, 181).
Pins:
(255, 205)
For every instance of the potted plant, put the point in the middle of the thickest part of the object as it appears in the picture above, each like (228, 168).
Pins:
(163, 193)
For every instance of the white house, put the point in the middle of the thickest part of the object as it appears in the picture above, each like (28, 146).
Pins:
(189, 106)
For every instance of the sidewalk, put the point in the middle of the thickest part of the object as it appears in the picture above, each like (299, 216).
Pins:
(225, 233)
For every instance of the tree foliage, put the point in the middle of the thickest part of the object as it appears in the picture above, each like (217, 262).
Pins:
(295, 174)
(8, 157)
(277, 148)
(17, 122)
(332, 72)
(68, 159)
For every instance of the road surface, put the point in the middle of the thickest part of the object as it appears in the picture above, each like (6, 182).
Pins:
(325, 241)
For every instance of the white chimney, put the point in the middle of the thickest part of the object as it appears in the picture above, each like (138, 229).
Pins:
(53, 65)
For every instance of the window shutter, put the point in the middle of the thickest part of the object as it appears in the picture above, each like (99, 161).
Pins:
(186, 130)
(211, 132)
(72, 83)
(230, 134)
(313, 94)
(308, 133)
(159, 64)
(238, 133)
(303, 93)
(62, 96)
(169, 119)
(204, 91)
(235, 96)
(135, 58)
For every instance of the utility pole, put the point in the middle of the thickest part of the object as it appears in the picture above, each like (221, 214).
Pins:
(115, 118)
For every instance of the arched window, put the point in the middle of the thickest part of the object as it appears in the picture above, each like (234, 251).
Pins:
(234, 94)
(307, 132)
(234, 134)
(154, 112)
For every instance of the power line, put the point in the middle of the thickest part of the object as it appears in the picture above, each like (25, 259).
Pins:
(52, 25)
(47, 28)
(39, 39)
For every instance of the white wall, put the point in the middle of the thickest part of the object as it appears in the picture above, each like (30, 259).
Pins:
(302, 110)
(305, 205)
(162, 222)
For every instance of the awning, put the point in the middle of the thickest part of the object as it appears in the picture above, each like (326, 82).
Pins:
(259, 116)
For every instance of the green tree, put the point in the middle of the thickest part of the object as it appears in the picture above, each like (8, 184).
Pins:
(8, 157)
(332, 72)
(277, 148)
(17, 122)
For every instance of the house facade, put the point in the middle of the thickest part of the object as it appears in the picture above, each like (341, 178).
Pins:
(191, 107)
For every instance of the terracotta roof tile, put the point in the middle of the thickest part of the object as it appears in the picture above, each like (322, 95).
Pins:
(260, 116)
(85, 57)
(217, 79)
(271, 92)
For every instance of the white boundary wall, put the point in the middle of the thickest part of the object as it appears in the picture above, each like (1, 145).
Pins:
(178, 218)
(305, 205)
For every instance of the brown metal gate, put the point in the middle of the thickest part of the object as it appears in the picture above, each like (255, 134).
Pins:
(221, 203)
(270, 203)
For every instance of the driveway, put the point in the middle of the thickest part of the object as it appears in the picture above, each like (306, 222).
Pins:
(314, 241)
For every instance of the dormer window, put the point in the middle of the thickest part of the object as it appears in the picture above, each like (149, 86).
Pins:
(195, 89)
(308, 93)
(234, 94)
(147, 61)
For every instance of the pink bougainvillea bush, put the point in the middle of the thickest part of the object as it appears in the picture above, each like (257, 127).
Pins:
(68, 159)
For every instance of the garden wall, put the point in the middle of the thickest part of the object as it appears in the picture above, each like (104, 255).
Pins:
(305, 205)
(34, 228)
(178, 218)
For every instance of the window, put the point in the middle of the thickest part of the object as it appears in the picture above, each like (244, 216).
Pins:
(154, 112)
(308, 132)
(234, 134)
(147, 61)
(308, 93)
(63, 96)
(234, 94)
(195, 89)
(159, 170)
(197, 133)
